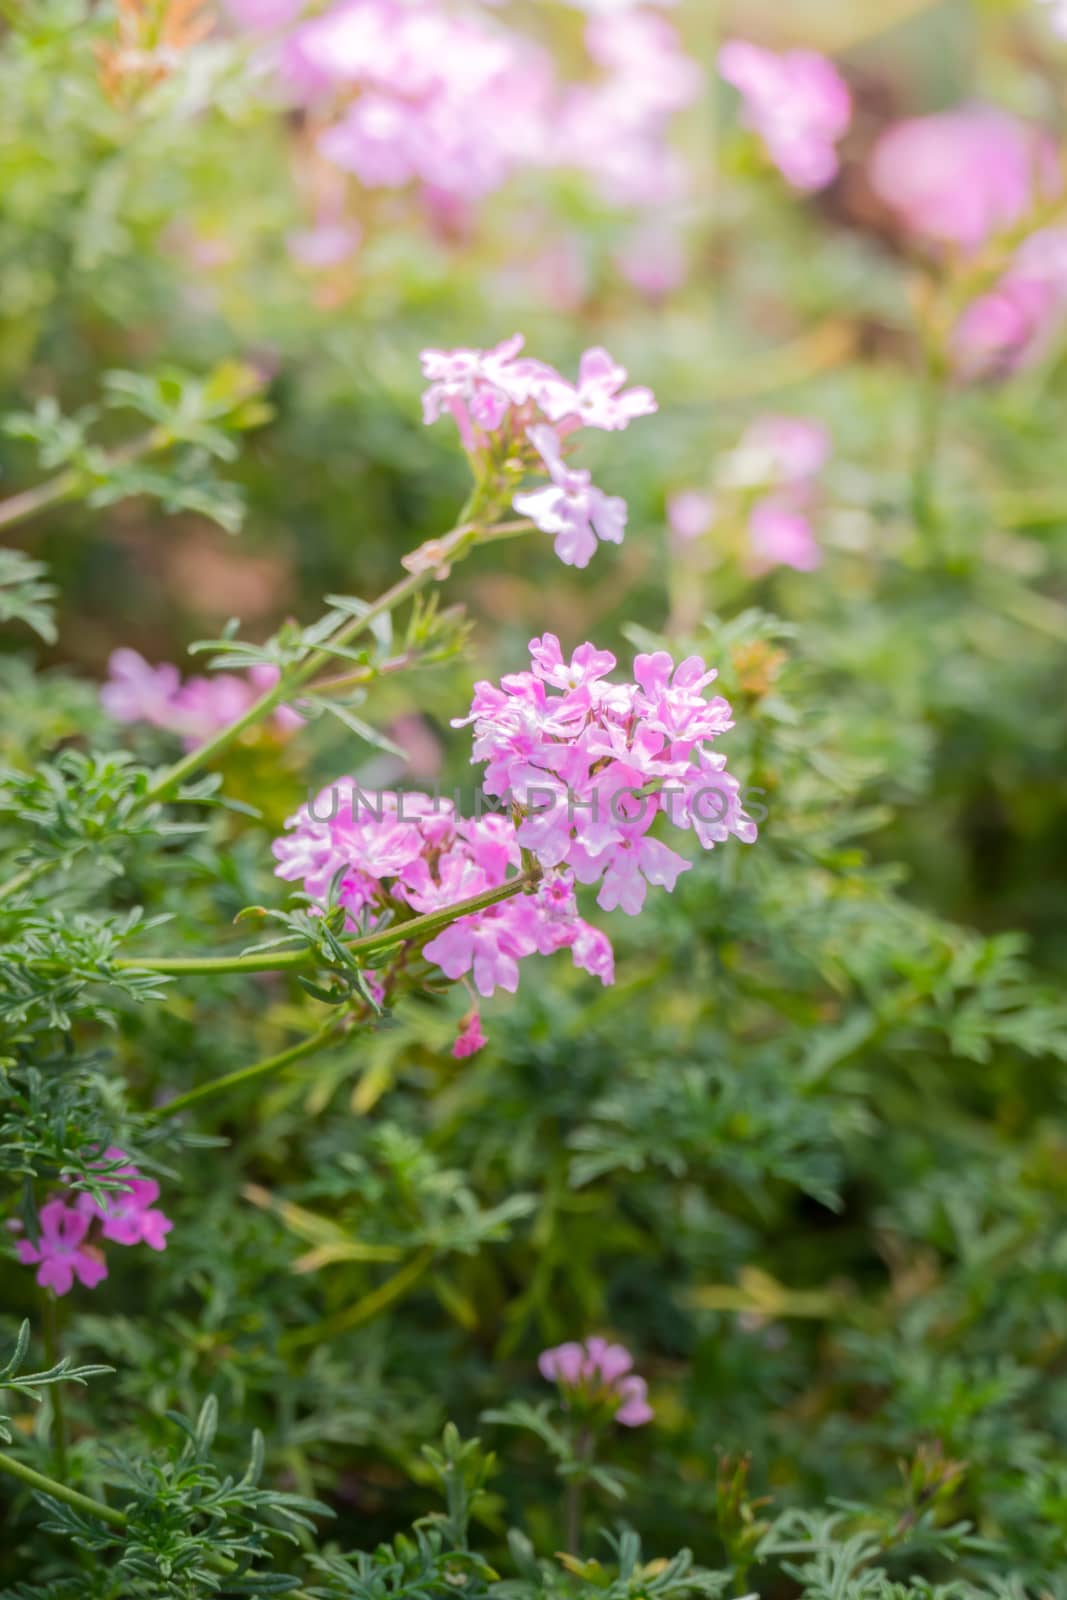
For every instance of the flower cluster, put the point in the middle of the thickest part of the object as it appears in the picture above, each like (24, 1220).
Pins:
(593, 764)
(597, 1377)
(776, 465)
(960, 178)
(770, 481)
(390, 855)
(516, 408)
(196, 708)
(127, 1215)
(445, 98)
(797, 102)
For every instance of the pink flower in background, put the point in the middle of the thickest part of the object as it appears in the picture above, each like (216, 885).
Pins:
(797, 102)
(776, 463)
(690, 513)
(652, 259)
(1057, 15)
(1012, 325)
(597, 1374)
(60, 1254)
(327, 244)
(470, 1038)
(195, 708)
(128, 1215)
(958, 177)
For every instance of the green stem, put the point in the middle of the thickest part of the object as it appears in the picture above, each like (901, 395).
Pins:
(279, 960)
(68, 484)
(28, 875)
(928, 440)
(583, 1450)
(258, 1069)
(365, 1309)
(52, 1356)
(453, 547)
(60, 1491)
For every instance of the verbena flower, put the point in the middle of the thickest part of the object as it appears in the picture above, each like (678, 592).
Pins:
(392, 855)
(61, 1254)
(597, 1376)
(959, 177)
(194, 708)
(594, 764)
(128, 1215)
(508, 406)
(470, 1038)
(797, 102)
(776, 464)
(1014, 324)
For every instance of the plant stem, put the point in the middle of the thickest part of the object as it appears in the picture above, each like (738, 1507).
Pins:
(278, 960)
(366, 1308)
(258, 1069)
(66, 484)
(52, 1356)
(928, 439)
(60, 1491)
(572, 1512)
(453, 547)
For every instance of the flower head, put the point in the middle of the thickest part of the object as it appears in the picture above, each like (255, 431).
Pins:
(958, 177)
(60, 1254)
(797, 102)
(597, 1376)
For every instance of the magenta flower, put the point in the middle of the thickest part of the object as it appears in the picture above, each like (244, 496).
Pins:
(128, 1215)
(958, 177)
(431, 860)
(196, 708)
(1014, 324)
(797, 102)
(470, 1038)
(598, 1375)
(595, 764)
(60, 1253)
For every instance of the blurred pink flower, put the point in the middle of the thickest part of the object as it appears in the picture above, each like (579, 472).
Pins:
(470, 1038)
(958, 177)
(1012, 325)
(327, 244)
(60, 1254)
(597, 1373)
(797, 102)
(778, 458)
(128, 1215)
(195, 708)
(690, 513)
(652, 259)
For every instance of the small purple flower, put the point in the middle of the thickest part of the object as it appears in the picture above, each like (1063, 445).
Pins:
(128, 1215)
(597, 1374)
(60, 1254)
(797, 102)
(571, 508)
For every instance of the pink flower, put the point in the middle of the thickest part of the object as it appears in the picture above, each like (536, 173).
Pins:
(470, 1038)
(597, 1374)
(777, 461)
(60, 1254)
(571, 508)
(652, 259)
(690, 514)
(327, 244)
(595, 764)
(128, 1215)
(195, 708)
(797, 102)
(394, 854)
(958, 177)
(1013, 325)
(136, 692)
